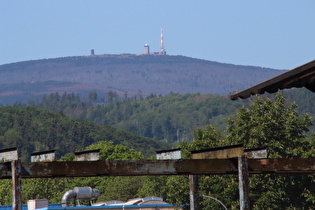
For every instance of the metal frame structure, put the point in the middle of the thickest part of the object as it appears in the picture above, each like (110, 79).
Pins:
(16, 170)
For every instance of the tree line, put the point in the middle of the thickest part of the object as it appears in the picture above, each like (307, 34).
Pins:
(33, 130)
(171, 118)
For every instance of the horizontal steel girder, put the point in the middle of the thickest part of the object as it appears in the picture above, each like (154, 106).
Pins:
(158, 167)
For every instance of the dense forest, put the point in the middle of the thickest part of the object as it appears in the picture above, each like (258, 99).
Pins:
(264, 122)
(33, 130)
(171, 118)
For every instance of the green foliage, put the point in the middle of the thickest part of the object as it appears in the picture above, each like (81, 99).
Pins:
(204, 138)
(177, 190)
(170, 118)
(5, 192)
(153, 186)
(272, 124)
(277, 126)
(109, 151)
(303, 97)
(121, 188)
(33, 130)
(93, 96)
(223, 188)
(49, 188)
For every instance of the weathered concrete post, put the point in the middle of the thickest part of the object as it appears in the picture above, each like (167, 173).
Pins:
(243, 183)
(16, 185)
(193, 192)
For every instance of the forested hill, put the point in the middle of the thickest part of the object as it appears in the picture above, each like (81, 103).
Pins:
(125, 74)
(171, 118)
(33, 130)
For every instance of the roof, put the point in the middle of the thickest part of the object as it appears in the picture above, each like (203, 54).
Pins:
(302, 76)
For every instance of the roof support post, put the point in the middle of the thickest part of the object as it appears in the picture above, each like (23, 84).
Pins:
(193, 192)
(16, 185)
(243, 183)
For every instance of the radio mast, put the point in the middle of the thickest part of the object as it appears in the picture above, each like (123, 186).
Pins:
(162, 50)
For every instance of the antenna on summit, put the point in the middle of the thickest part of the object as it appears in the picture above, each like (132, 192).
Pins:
(162, 50)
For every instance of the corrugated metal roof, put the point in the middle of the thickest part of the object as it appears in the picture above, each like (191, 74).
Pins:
(302, 76)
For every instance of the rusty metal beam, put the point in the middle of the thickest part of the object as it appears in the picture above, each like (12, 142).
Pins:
(158, 167)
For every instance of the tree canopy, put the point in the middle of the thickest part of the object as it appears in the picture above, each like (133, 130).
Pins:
(33, 130)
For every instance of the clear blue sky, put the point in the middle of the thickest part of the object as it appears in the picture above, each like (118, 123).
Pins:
(278, 34)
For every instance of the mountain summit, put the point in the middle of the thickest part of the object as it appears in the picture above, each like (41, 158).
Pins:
(126, 74)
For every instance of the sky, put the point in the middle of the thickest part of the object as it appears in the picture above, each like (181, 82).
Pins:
(274, 34)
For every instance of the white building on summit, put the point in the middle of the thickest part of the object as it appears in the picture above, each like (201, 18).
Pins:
(146, 49)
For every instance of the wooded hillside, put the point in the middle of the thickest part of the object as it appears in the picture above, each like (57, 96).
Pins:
(125, 74)
(171, 118)
(33, 130)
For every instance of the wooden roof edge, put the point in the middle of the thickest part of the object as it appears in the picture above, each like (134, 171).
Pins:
(257, 89)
